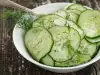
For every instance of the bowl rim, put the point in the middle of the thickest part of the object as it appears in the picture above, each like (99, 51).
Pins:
(50, 67)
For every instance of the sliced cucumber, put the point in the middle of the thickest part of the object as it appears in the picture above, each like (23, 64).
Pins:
(38, 42)
(68, 15)
(74, 38)
(61, 13)
(73, 25)
(76, 60)
(77, 7)
(47, 60)
(39, 22)
(73, 17)
(73, 11)
(59, 33)
(87, 48)
(98, 44)
(64, 63)
(60, 22)
(93, 40)
(59, 51)
(89, 21)
(64, 43)
(49, 21)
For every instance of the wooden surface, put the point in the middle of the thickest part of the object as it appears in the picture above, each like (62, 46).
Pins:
(12, 63)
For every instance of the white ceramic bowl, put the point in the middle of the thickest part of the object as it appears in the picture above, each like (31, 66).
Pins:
(18, 34)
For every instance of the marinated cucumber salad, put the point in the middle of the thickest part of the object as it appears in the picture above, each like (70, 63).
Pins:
(65, 38)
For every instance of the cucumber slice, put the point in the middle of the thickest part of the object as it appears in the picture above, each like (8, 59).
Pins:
(89, 21)
(59, 33)
(61, 13)
(73, 25)
(77, 7)
(49, 21)
(39, 21)
(60, 22)
(47, 60)
(98, 44)
(73, 17)
(59, 51)
(87, 48)
(74, 38)
(73, 11)
(76, 60)
(64, 43)
(69, 15)
(93, 40)
(38, 41)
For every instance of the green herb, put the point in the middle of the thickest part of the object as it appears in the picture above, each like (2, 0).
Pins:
(14, 14)
(24, 20)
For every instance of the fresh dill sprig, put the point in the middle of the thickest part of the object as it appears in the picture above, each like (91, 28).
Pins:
(13, 14)
(26, 21)
(23, 19)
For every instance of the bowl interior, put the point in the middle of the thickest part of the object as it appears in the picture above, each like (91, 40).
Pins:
(18, 36)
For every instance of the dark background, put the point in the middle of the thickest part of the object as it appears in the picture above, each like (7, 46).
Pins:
(12, 63)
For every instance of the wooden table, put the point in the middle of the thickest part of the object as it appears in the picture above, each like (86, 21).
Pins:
(12, 63)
